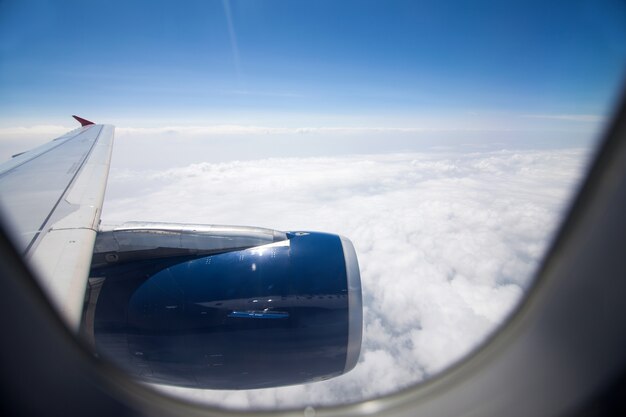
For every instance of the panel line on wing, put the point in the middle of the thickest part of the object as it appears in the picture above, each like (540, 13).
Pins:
(41, 154)
(86, 157)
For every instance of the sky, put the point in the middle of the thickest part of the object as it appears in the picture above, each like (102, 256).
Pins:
(445, 140)
(309, 63)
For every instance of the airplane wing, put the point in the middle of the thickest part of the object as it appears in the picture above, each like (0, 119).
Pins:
(51, 197)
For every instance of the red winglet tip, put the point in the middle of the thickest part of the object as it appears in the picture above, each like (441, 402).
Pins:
(83, 122)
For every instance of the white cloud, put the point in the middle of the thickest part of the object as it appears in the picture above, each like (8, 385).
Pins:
(250, 138)
(238, 129)
(447, 243)
(594, 118)
(47, 131)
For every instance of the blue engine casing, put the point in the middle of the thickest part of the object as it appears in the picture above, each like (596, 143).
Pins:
(284, 313)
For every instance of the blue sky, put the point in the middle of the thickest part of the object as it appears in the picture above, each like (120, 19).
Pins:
(310, 62)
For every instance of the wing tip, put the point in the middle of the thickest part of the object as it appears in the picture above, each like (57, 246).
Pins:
(83, 122)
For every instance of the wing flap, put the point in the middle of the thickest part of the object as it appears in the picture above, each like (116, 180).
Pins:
(62, 262)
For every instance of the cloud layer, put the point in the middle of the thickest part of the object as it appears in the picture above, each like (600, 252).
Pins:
(447, 244)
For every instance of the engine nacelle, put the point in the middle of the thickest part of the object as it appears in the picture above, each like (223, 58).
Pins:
(197, 306)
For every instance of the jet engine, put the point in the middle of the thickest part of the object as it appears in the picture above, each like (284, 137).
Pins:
(223, 307)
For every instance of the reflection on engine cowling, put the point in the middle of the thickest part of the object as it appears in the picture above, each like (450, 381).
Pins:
(282, 313)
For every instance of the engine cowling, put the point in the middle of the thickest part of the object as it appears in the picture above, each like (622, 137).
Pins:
(285, 312)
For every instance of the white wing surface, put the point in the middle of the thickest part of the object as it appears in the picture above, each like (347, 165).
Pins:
(52, 198)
